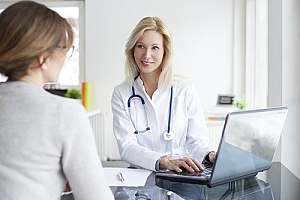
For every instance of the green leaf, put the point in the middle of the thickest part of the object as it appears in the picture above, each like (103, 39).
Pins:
(73, 93)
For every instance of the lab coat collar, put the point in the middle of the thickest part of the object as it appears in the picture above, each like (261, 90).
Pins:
(139, 84)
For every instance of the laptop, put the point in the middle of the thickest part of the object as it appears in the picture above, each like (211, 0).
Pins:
(247, 146)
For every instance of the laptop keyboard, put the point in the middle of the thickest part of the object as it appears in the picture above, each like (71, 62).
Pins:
(205, 173)
(201, 175)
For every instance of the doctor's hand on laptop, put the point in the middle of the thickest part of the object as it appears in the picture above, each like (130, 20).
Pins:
(211, 157)
(190, 164)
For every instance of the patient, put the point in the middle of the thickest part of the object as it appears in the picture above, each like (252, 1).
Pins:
(45, 140)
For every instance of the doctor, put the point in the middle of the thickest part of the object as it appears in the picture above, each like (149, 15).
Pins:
(157, 117)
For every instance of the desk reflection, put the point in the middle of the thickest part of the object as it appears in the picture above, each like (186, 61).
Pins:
(148, 192)
(158, 189)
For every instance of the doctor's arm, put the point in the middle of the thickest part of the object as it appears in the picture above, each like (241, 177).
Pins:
(197, 141)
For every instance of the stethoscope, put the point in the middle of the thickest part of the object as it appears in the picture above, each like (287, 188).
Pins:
(168, 135)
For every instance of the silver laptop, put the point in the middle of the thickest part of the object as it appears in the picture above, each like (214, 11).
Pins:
(247, 146)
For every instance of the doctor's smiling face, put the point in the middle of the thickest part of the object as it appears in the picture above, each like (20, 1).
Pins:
(149, 52)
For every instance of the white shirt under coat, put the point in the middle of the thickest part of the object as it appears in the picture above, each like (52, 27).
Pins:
(190, 134)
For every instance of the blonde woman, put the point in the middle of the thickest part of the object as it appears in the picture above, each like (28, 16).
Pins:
(157, 117)
(45, 140)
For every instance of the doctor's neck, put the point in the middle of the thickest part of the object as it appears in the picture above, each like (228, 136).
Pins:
(150, 83)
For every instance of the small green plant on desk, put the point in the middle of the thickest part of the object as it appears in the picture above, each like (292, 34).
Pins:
(73, 93)
(241, 103)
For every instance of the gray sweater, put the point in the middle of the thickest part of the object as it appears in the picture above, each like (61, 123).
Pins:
(44, 141)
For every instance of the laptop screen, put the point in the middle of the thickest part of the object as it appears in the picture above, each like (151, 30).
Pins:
(248, 143)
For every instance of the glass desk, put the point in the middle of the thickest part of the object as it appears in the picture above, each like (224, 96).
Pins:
(158, 189)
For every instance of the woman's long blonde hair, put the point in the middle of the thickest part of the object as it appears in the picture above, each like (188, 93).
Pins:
(28, 30)
(166, 78)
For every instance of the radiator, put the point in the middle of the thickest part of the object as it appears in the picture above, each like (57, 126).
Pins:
(215, 129)
(97, 120)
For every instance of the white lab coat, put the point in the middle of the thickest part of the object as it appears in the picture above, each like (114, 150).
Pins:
(187, 124)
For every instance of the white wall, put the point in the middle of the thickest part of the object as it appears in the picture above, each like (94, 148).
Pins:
(291, 82)
(291, 96)
(202, 34)
(284, 76)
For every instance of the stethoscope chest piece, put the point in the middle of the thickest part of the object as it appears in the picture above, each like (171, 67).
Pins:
(168, 135)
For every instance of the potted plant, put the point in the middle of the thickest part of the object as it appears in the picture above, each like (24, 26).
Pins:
(73, 93)
(241, 103)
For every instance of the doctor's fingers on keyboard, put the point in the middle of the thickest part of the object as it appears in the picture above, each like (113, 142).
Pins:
(189, 164)
(193, 163)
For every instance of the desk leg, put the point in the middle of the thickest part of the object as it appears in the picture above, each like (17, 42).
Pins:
(231, 189)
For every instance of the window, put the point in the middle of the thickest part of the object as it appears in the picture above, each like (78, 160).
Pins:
(69, 75)
(73, 71)
(253, 75)
(2, 78)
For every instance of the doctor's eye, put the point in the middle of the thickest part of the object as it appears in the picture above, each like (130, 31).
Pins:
(140, 46)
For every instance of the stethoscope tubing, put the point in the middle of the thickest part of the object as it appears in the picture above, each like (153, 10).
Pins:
(170, 110)
(143, 103)
(135, 96)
